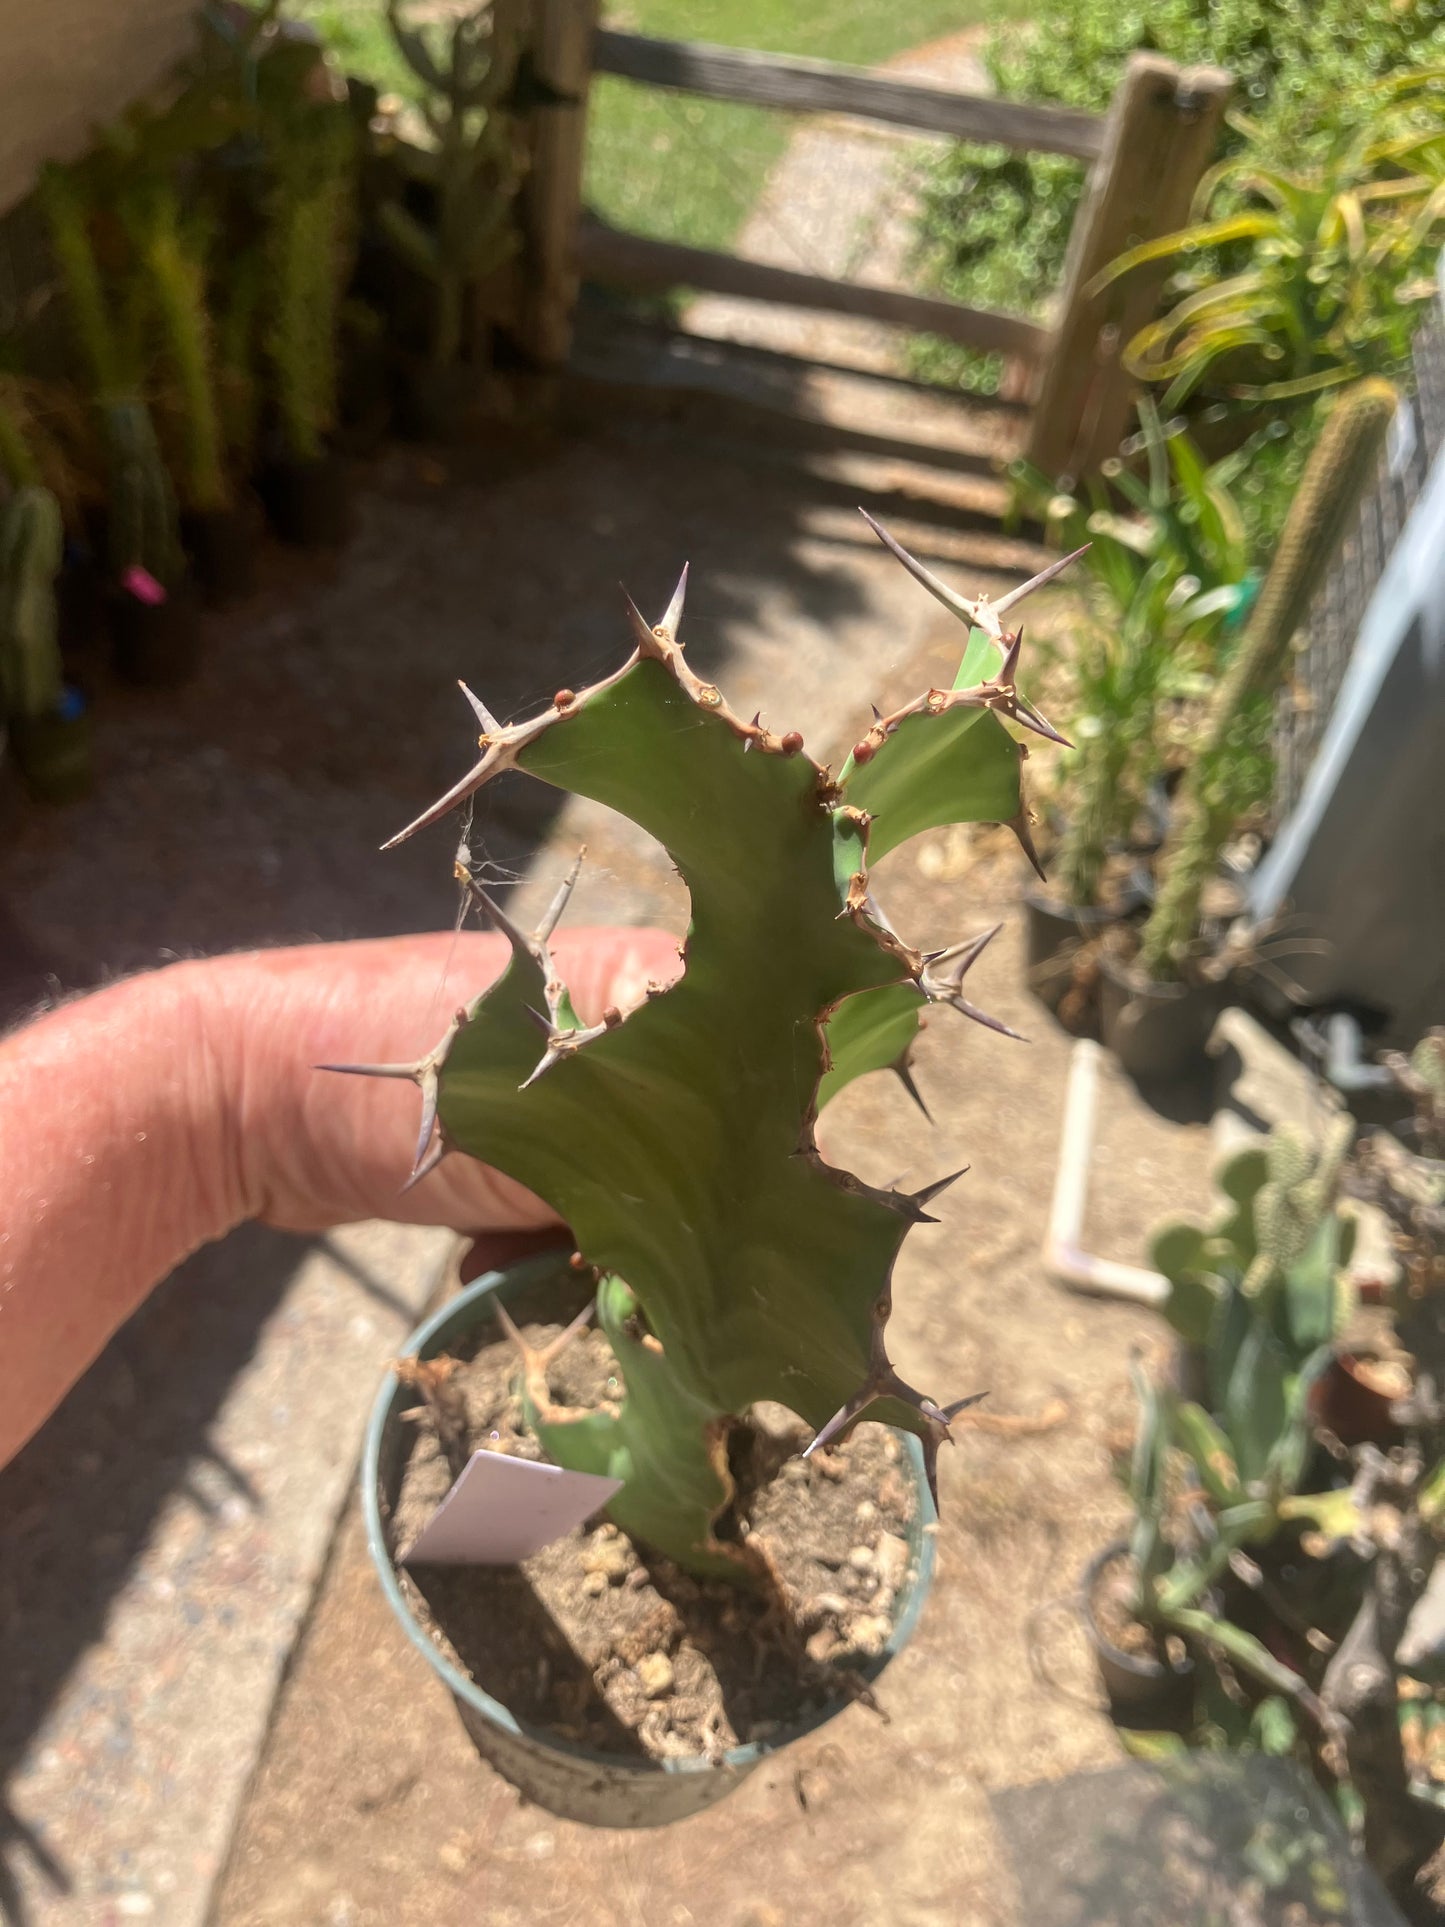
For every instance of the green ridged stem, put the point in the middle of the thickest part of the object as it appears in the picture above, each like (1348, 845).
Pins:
(735, 1265)
(310, 216)
(1339, 469)
(177, 277)
(31, 546)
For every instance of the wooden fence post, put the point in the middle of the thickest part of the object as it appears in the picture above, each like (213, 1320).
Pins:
(561, 43)
(1158, 140)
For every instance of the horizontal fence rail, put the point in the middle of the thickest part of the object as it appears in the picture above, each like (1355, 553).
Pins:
(820, 86)
(635, 261)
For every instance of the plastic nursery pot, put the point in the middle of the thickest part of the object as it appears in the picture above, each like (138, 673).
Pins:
(157, 644)
(222, 546)
(599, 1789)
(309, 503)
(1353, 1397)
(80, 604)
(53, 752)
(436, 404)
(1143, 1692)
(1157, 1031)
(1054, 932)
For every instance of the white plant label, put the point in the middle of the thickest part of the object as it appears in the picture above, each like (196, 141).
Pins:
(502, 1510)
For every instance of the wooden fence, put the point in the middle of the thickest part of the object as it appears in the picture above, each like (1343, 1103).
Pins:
(1145, 157)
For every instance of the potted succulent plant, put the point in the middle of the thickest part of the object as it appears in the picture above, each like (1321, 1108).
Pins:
(153, 613)
(46, 722)
(1279, 1569)
(311, 157)
(1157, 1005)
(467, 184)
(735, 1272)
(1167, 562)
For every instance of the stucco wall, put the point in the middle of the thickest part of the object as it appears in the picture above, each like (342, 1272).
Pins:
(68, 65)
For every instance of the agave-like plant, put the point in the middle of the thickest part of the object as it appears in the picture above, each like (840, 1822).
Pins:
(1335, 258)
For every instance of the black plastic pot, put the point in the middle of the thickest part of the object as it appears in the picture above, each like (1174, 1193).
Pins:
(1143, 1692)
(1054, 933)
(1157, 1031)
(309, 503)
(222, 546)
(80, 604)
(436, 404)
(157, 644)
(600, 1789)
(53, 752)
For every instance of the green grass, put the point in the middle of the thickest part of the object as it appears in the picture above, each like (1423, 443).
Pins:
(670, 165)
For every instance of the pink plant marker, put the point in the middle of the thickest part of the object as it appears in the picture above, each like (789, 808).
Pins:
(143, 586)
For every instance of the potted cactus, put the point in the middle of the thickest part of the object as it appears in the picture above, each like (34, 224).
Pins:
(1167, 562)
(46, 722)
(734, 1270)
(153, 614)
(1157, 1006)
(311, 148)
(467, 185)
(171, 250)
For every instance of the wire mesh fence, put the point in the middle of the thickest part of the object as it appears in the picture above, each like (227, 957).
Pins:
(1338, 609)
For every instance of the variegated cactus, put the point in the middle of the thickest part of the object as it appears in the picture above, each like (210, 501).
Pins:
(734, 1264)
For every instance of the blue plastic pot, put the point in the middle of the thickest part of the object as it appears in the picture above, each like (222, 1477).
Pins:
(599, 1789)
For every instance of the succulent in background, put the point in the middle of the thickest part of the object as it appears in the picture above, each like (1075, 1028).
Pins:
(312, 150)
(1167, 572)
(472, 83)
(143, 532)
(1224, 777)
(733, 1264)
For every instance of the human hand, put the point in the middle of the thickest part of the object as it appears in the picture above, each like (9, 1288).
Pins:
(158, 1114)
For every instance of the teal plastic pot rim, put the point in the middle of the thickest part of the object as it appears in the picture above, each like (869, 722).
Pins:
(459, 1315)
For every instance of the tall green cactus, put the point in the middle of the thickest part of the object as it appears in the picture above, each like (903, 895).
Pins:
(678, 1142)
(144, 531)
(475, 169)
(31, 544)
(309, 219)
(1340, 468)
(172, 258)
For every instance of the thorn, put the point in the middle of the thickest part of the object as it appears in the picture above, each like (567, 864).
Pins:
(559, 903)
(951, 1412)
(966, 1009)
(647, 643)
(967, 611)
(428, 1115)
(1008, 668)
(1014, 596)
(410, 1071)
(1028, 717)
(877, 713)
(1020, 826)
(458, 793)
(903, 1071)
(964, 955)
(543, 1023)
(489, 723)
(841, 1420)
(501, 920)
(425, 1170)
(672, 615)
(939, 1185)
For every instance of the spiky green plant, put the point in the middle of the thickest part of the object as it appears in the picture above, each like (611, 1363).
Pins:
(1212, 797)
(1166, 569)
(143, 530)
(310, 217)
(474, 169)
(31, 541)
(734, 1265)
(172, 254)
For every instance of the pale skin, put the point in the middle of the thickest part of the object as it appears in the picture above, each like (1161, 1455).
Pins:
(146, 1120)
